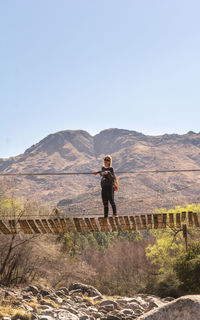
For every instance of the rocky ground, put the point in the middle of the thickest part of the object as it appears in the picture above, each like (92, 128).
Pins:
(82, 302)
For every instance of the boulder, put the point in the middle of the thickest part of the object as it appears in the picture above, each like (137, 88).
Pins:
(46, 318)
(33, 289)
(45, 292)
(90, 290)
(64, 289)
(66, 315)
(107, 308)
(184, 308)
(108, 302)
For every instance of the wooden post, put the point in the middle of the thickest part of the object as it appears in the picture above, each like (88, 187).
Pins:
(185, 236)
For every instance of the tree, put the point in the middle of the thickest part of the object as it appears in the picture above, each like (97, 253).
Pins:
(187, 269)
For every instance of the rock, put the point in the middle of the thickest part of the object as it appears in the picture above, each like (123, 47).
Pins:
(65, 290)
(184, 308)
(91, 291)
(113, 317)
(84, 318)
(76, 307)
(45, 307)
(107, 308)
(66, 315)
(34, 316)
(140, 301)
(108, 302)
(29, 308)
(45, 292)
(97, 315)
(27, 297)
(76, 292)
(33, 289)
(127, 311)
(87, 302)
(138, 312)
(45, 303)
(168, 299)
(155, 301)
(54, 298)
(46, 318)
(47, 312)
(60, 293)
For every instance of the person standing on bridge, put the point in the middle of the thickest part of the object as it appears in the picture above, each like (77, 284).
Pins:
(108, 183)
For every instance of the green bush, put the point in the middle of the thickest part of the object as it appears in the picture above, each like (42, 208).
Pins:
(187, 269)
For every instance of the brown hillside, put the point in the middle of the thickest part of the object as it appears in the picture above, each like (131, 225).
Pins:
(78, 151)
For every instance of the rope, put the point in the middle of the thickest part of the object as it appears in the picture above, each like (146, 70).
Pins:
(86, 173)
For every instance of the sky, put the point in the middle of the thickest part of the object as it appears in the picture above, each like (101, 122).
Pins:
(97, 64)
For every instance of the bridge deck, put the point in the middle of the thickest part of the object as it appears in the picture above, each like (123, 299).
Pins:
(100, 224)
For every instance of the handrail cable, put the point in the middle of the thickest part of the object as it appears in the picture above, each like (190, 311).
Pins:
(85, 173)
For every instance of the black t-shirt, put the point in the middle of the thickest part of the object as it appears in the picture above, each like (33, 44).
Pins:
(107, 179)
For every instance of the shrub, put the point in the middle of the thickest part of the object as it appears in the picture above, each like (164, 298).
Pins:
(187, 269)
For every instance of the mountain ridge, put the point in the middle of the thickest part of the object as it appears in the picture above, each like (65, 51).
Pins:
(78, 151)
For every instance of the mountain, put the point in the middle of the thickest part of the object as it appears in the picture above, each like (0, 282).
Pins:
(78, 151)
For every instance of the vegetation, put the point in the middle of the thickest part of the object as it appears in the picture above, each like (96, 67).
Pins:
(118, 263)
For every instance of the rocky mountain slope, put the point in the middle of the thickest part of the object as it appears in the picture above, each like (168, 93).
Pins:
(78, 151)
(83, 302)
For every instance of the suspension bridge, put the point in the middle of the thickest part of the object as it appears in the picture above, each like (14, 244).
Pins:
(56, 225)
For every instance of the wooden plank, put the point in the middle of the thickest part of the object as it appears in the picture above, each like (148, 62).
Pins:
(160, 220)
(183, 216)
(118, 225)
(122, 222)
(4, 229)
(70, 225)
(57, 224)
(94, 224)
(77, 225)
(25, 227)
(63, 225)
(52, 225)
(138, 223)
(33, 226)
(112, 223)
(101, 223)
(83, 225)
(40, 226)
(171, 220)
(12, 225)
(164, 220)
(178, 220)
(46, 226)
(143, 218)
(196, 220)
(155, 221)
(190, 220)
(127, 222)
(132, 220)
(89, 225)
(149, 221)
(106, 226)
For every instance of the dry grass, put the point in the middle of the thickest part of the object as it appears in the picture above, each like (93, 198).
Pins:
(18, 313)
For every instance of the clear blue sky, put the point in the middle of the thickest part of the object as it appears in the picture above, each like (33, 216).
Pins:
(97, 64)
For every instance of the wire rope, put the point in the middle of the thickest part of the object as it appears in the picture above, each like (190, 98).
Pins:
(88, 173)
